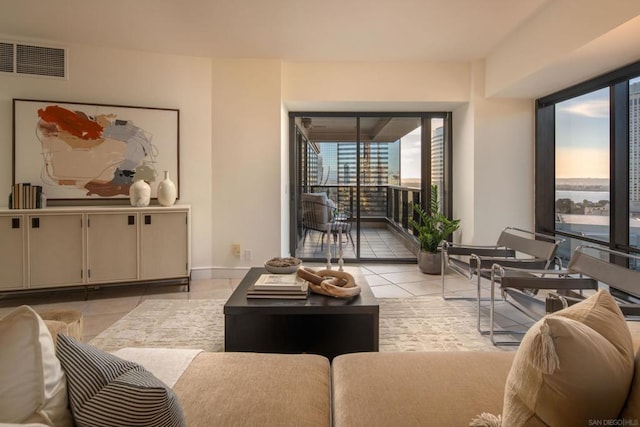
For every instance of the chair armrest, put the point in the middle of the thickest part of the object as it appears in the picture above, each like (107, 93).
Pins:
(539, 271)
(486, 263)
(498, 251)
(630, 310)
(520, 278)
(460, 245)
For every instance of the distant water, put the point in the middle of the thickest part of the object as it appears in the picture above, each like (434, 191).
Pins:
(579, 196)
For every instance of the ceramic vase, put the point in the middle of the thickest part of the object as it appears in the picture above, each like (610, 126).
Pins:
(140, 194)
(166, 191)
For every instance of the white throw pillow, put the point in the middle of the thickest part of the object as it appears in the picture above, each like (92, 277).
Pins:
(33, 387)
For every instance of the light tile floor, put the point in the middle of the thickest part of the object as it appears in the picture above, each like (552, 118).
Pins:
(104, 306)
(375, 243)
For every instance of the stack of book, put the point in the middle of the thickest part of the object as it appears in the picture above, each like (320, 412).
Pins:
(25, 196)
(279, 286)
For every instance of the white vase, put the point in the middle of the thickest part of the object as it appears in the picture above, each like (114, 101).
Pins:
(166, 191)
(139, 194)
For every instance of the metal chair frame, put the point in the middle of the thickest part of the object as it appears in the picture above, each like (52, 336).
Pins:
(584, 272)
(539, 248)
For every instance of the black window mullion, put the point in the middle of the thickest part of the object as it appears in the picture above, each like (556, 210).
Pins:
(545, 169)
(425, 168)
(448, 166)
(619, 166)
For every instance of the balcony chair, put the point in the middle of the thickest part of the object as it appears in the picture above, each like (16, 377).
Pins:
(515, 248)
(584, 272)
(319, 213)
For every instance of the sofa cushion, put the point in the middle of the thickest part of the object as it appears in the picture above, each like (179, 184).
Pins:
(33, 387)
(417, 388)
(107, 391)
(256, 389)
(631, 410)
(567, 373)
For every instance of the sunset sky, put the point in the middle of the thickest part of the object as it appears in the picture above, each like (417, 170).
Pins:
(582, 136)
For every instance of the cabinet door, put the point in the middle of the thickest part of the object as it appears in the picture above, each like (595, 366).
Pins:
(12, 238)
(55, 250)
(112, 247)
(164, 244)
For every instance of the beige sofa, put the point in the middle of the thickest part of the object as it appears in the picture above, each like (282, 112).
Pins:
(577, 367)
(360, 389)
(588, 374)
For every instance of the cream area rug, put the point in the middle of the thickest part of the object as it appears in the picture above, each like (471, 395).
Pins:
(406, 324)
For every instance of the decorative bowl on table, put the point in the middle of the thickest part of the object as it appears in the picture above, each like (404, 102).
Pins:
(286, 265)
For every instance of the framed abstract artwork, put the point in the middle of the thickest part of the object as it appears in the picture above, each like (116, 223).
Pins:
(93, 151)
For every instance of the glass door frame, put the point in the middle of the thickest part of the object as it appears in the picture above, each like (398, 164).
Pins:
(425, 117)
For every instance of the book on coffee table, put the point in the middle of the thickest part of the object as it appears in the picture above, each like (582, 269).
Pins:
(279, 288)
(279, 282)
(262, 295)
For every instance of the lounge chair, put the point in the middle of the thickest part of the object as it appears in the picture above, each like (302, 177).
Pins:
(587, 270)
(515, 248)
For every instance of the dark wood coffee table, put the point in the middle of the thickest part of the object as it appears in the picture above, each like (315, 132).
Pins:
(318, 325)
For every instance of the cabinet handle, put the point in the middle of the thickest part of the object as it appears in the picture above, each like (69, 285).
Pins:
(131, 220)
(147, 219)
(15, 222)
(35, 222)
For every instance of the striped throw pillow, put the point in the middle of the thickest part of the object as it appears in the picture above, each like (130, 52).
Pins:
(105, 390)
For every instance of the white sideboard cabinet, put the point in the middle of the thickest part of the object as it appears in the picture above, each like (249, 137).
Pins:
(12, 252)
(54, 249)
(89, 246)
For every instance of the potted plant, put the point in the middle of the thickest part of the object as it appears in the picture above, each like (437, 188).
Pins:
(432, 228)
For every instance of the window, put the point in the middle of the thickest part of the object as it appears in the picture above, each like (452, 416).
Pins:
(588, 162)
(582, 165)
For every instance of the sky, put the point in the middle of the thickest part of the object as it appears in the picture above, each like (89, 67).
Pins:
(410, 155)
(582, 136)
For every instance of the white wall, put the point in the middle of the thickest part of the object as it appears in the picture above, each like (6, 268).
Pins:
(367, 86)
(246, 162)
(463, 173)
(493, 164)
(109, 76)
(234, 136)
(493, 138)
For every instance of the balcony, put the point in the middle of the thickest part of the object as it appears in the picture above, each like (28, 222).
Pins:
(380, 223)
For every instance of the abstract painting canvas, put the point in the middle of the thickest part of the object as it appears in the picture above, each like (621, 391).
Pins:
(93, 151)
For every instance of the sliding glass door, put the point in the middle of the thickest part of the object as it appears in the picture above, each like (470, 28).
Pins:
(355, 177)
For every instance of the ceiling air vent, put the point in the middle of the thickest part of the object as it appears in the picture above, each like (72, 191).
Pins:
(33, 60)
(6, 57)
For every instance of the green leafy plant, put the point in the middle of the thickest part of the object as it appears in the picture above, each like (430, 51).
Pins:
(433, 226)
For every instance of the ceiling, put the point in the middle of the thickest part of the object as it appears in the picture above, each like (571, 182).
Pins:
(530, 48)
(294, 30)
(344, 129)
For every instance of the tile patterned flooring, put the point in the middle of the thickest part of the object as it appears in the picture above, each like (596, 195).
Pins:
(375, 243)
(104, 306)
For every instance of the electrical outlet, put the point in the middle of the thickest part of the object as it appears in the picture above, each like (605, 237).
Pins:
(248, 254)
(235, 248)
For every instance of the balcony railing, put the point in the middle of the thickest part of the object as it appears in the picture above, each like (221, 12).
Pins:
(378, 203)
